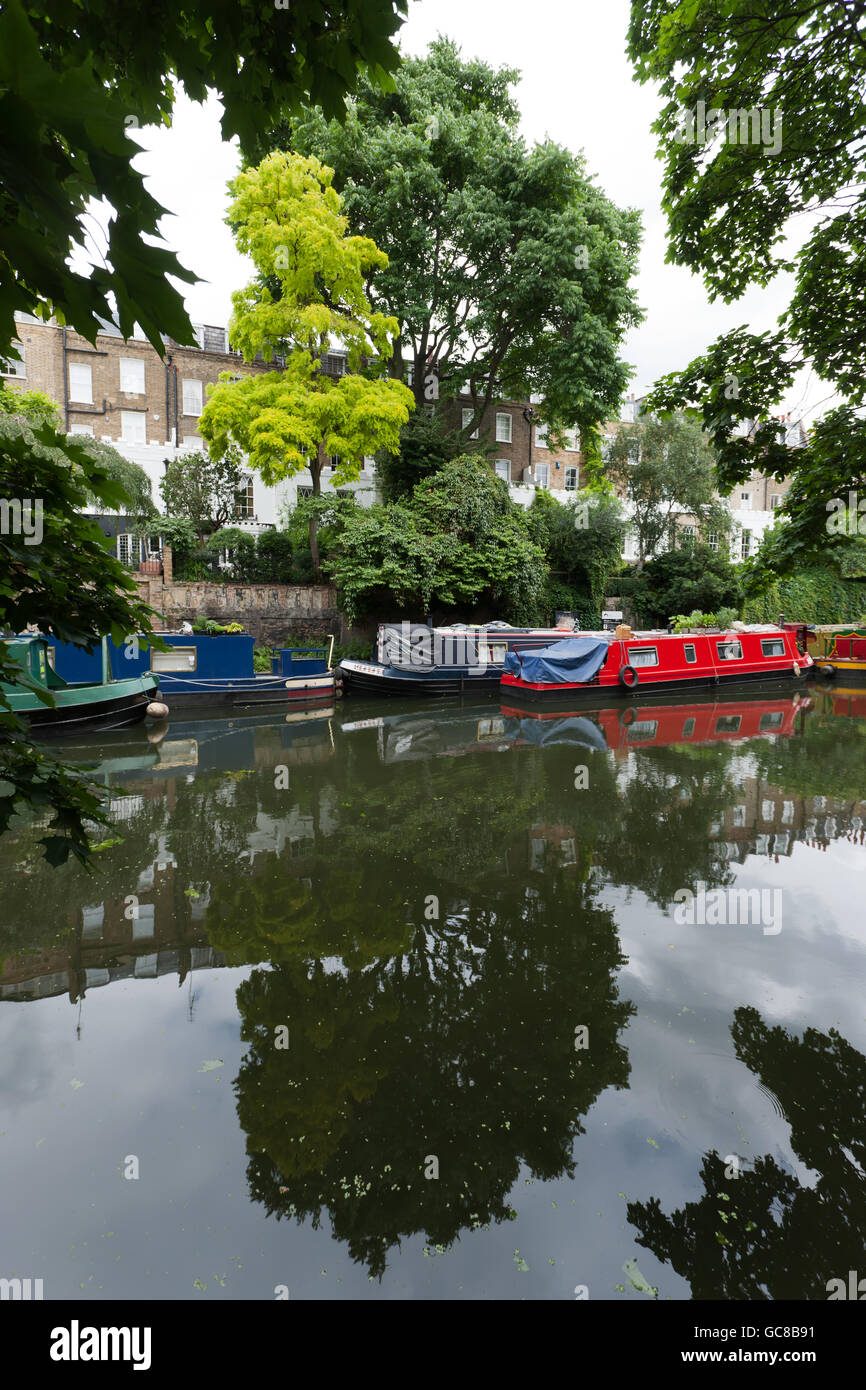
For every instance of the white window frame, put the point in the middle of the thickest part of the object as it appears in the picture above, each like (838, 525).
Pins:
(9, 367)
(503, 469)
(745, 501)
(503, 422)
(572, 471)
(729, 650)
(466, 416)
(651, 652)
(133, 426)
(541, 474)
(776, 500)
(773, 642)
(541, 432)
(77, 370)
(188, 383)
(132, 371)
(175, 659)
(83, 429)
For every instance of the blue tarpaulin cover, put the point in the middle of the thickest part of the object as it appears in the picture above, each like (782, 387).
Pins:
(572, 729)
(570, 662)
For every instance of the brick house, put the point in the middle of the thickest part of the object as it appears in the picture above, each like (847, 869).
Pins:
(148, 407)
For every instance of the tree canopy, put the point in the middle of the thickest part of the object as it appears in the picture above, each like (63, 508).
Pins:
(311, 288)
(508, 268)
(75, 83)
(665, 469)
(459, 540)
(730, 205)
(203, 488)
(64, 581)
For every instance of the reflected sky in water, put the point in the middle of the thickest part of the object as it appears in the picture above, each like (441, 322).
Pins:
(431, 902)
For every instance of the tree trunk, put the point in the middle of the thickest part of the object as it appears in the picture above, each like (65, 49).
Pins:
(316, 475)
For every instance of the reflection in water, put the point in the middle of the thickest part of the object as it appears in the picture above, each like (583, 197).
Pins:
(766, 1233)
(423, 900)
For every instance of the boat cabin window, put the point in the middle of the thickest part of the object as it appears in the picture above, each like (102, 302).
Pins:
(729, 651)
(690, 653)
(728, 723)
(493, 654)
(689, 726)
(642, 730)
(773, 646)
(643, 656)
(175, 659)
(773, 720)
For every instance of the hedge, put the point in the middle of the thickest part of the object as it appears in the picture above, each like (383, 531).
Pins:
(815, 596)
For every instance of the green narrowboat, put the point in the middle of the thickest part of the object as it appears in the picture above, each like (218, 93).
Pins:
(79, 707)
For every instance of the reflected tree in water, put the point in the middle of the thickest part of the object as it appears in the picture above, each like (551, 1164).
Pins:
(768, 1234)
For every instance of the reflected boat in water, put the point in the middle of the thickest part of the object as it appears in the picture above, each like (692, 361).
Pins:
(412, 736)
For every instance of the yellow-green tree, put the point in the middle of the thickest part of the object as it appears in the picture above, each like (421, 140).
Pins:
(310, 290)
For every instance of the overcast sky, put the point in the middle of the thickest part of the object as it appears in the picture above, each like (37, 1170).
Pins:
(577, 88)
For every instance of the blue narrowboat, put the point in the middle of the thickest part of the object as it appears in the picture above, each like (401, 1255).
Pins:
(414, 659)
(201, 670)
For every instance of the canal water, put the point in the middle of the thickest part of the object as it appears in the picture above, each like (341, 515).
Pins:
(410, 1001)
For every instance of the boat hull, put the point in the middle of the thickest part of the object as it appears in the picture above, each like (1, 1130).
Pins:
(261, 690)
(850, 672)
(673, 688)
(116, 711)
(374, 678)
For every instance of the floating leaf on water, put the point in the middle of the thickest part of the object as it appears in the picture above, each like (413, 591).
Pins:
(636, 1279)
(211, 1064)
(76, 1084)
(197, 1284)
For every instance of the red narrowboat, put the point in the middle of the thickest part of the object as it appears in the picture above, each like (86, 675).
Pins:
(650, 664)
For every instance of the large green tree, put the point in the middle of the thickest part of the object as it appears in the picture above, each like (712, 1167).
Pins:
(791, 77)
(508, 268)
(311, 288)
(459, 541)
(204, 489)
(664, 467)
(76, 81)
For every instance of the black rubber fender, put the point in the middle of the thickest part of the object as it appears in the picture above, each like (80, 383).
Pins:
(628, 677)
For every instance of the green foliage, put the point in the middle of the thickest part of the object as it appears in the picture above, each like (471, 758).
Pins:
(665, 468)
(728, 207)
(685, 622)
(584, 544)
(565, 598)
(241, 547)
(204, 488)
(65, 581)
(681, 581)
(458, 541)
(274, 558)
(75, 83)
(208, 628)
(508, 267)
(426, 442)
(816, 595)
(311, 286)
(35, 406)
(135, 483)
